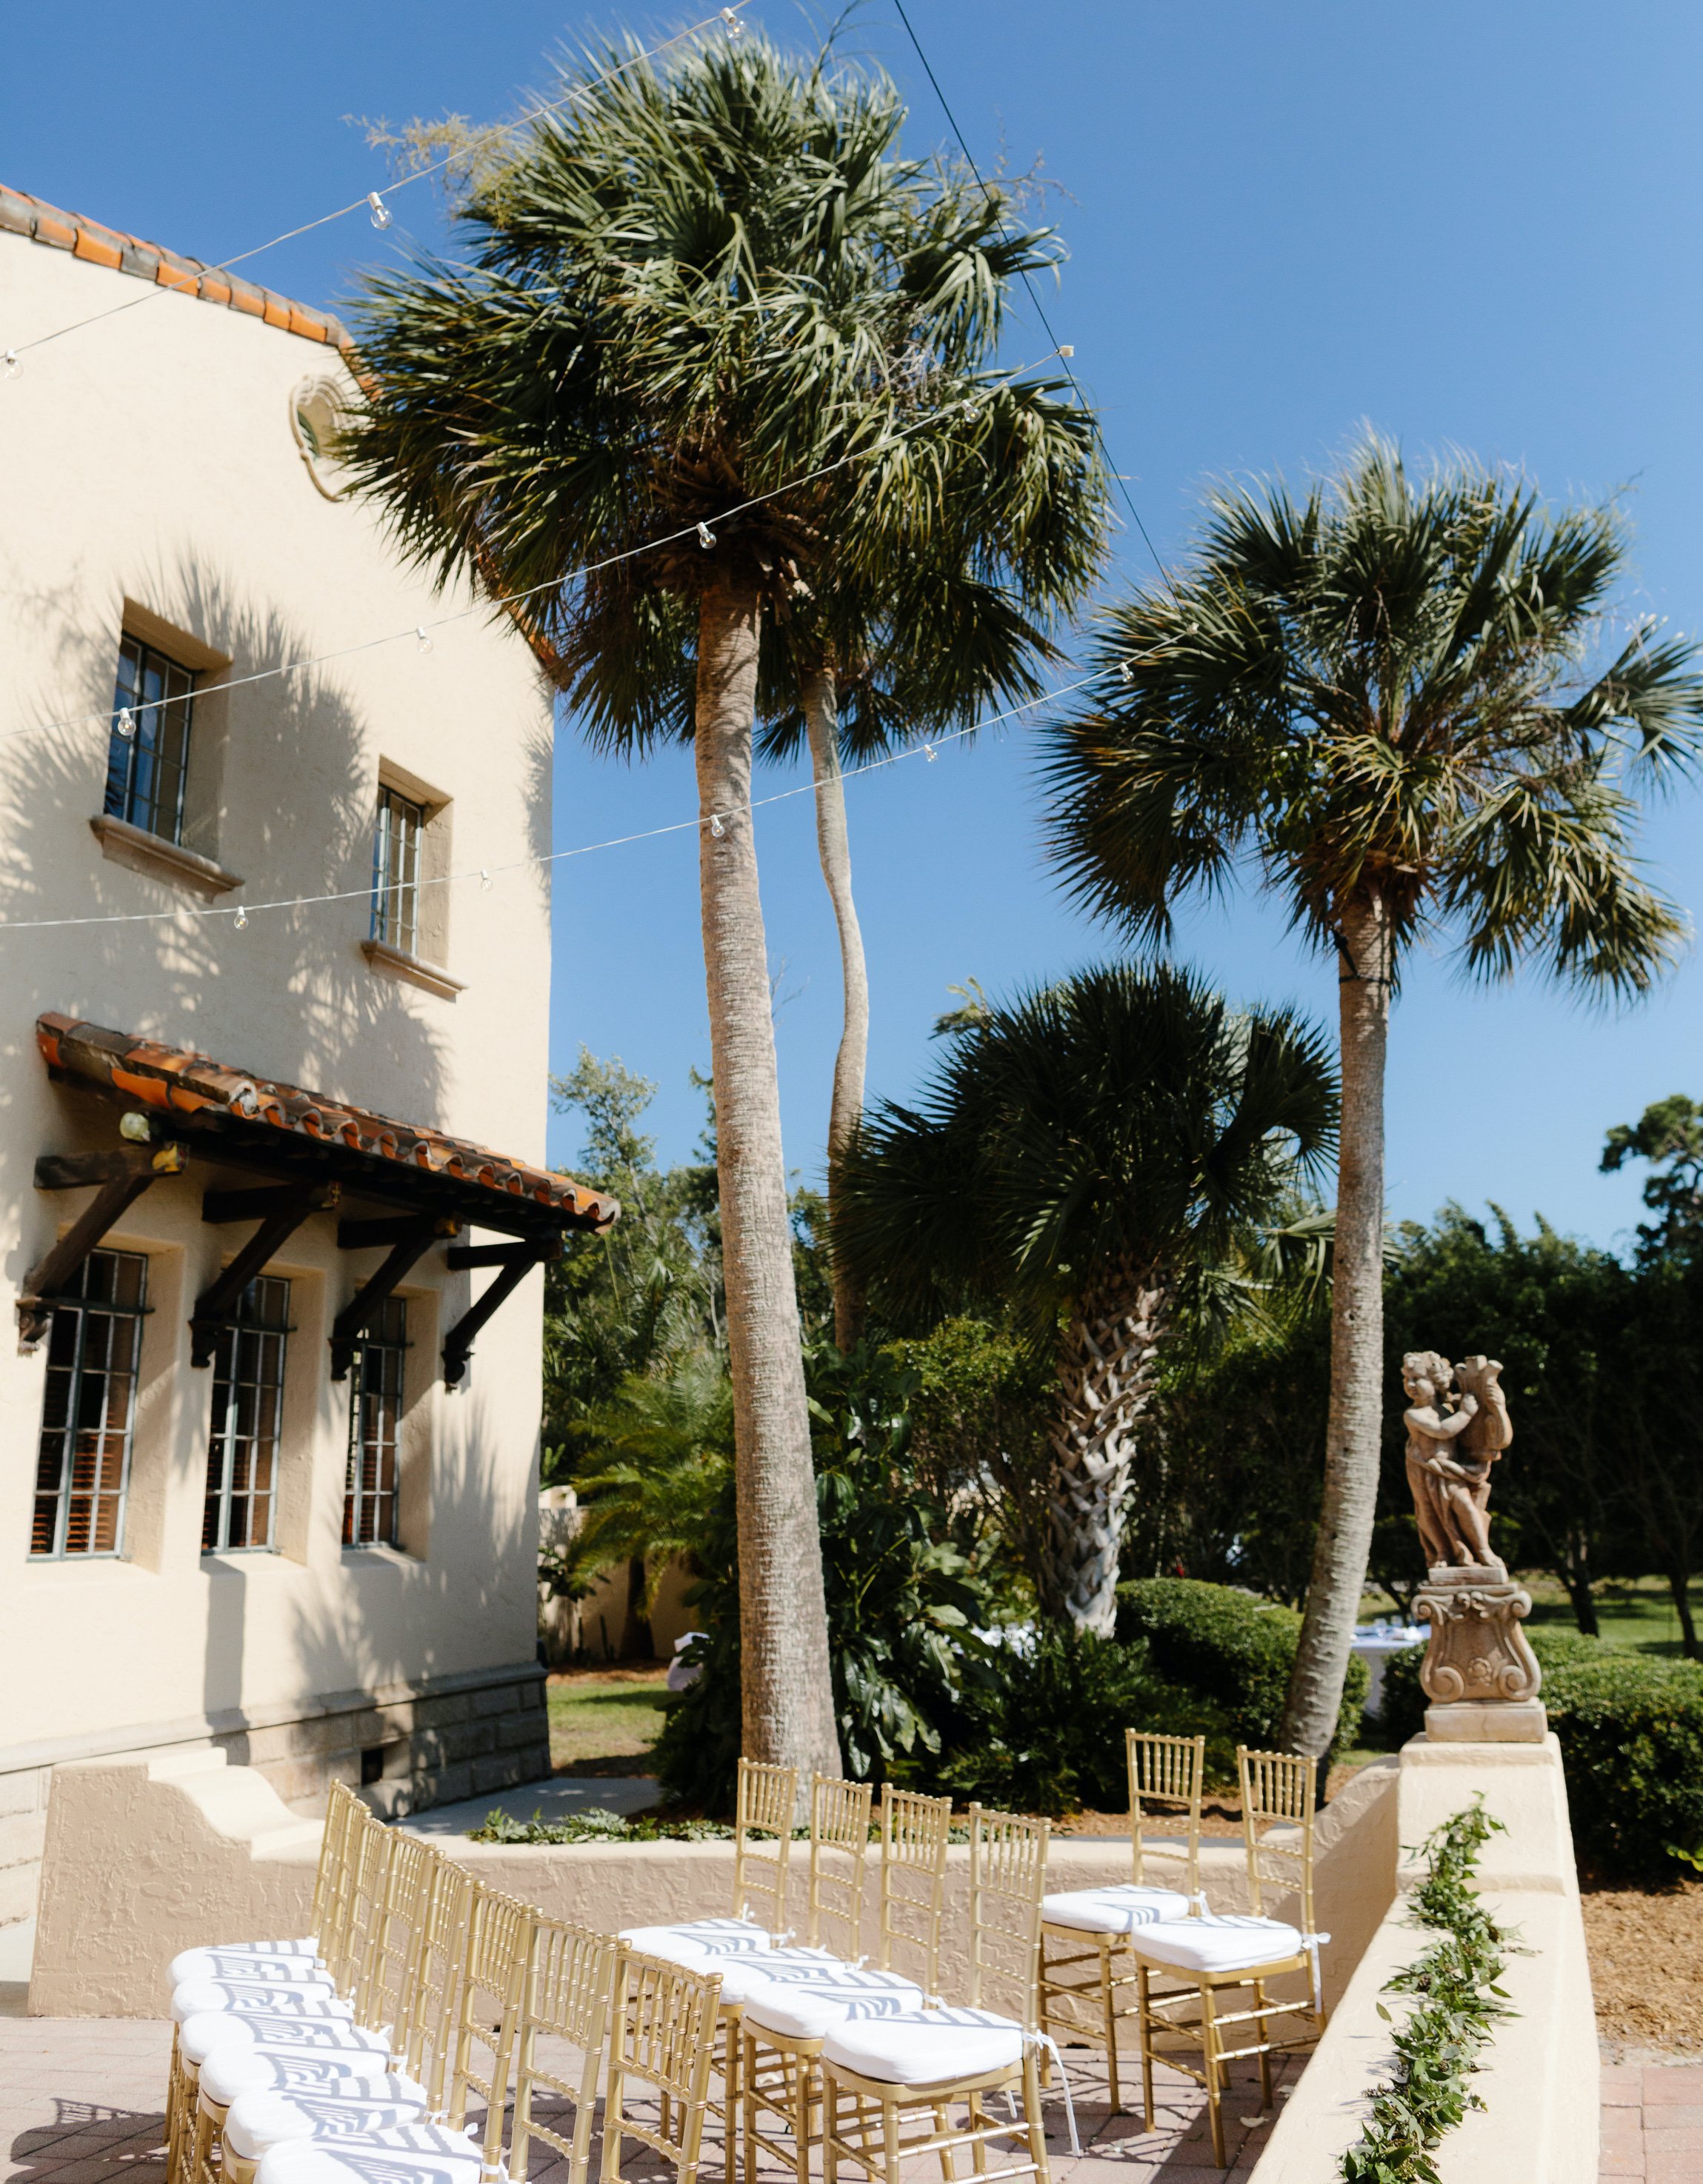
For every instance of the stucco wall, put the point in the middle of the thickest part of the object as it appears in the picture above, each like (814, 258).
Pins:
(151, 478)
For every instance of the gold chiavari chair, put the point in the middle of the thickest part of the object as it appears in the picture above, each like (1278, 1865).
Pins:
(664, 2037)
(1085, 1932)
(890, 2085)
(1219, 1954)
(571, 1982)
(784, 2020)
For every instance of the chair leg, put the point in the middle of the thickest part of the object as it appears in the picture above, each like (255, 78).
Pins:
(1032, 2116)
(584, 2113)
(1264, 2024)
(1143, 2003)
(831, 2125)
(610, 2169)
(730, 2099)
(1108, 2004)
(890, 2142)
(1211, 2070)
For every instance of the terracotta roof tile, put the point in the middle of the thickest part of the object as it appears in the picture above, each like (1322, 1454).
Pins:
(22, 214)
(192, 1090)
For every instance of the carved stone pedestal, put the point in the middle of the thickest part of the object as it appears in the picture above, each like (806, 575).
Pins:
(1479, 1671)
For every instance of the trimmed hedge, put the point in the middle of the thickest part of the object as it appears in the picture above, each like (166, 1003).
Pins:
(1630, 1727)
(1233, 1653)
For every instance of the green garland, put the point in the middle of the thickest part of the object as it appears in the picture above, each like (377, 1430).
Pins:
(1437, 2048)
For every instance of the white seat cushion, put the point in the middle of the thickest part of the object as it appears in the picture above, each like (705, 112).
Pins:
(809, 2009)
(260, 2121)
(285, 1960)
(925, 2047)
(742, 1977)
(1112, 1910)
(278, 1998)
(419, 2153)
(198, 2037)
(693, 1938)
(1235, 1942)
(231, 2071)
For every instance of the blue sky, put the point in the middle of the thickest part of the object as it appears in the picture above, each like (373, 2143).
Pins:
(1475, 227)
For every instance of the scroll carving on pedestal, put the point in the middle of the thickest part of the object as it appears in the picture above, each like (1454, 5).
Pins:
(1479, 1669)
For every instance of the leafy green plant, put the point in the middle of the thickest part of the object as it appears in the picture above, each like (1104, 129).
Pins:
(595, 1825)
(1456, 1979)
(1226, 1647)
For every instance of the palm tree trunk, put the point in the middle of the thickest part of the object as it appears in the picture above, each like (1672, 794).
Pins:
(1353, 1431)
(788, 1692)
(1107, 1366)
(821, 702)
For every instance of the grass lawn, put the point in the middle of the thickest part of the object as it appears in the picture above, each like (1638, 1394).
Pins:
(1633, 1612)
(604, 1721)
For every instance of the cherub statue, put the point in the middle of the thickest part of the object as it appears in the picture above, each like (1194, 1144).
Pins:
(1452, 1441)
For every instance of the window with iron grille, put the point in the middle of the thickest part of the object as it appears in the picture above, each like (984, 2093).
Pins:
(88, 1408)
(396, 871)
(147, 756)
(248, 1414)
(375, 1416)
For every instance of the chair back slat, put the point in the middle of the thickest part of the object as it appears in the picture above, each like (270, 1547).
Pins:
(1169, 1771)
(395, 1929)
(762, 1839)
(570, 1995)
(839, 1858)
(1277, 1802)
(428, 2019)
(1007, 1878)
(664, 2034)
(916, 1832)
(341, 1807)
(355, 1874)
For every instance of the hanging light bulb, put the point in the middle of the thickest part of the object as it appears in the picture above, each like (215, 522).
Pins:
(732, 21)
(1066, 349)
(1126, 671)
(242, 919)
(381, 211)
(929, 753)
(716, 826)
(421, 639)
(706, 537)
(486, 883)
(13, 366)
(125, 724)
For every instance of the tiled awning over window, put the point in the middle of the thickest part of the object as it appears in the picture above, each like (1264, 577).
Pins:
(228, 1112)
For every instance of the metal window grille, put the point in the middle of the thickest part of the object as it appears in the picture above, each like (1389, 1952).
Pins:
(396, 871)
(375, 1415)
(147, 771)
(88, 1408)
(248, 1413)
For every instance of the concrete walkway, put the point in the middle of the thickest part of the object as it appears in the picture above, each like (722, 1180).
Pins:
(1652, 2122)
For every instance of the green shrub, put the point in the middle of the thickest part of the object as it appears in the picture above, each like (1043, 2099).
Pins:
(1225, 1646)
(1630, 1727)
(1041, 1730)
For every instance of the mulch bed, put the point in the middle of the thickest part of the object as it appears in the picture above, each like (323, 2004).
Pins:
(1646, 1952)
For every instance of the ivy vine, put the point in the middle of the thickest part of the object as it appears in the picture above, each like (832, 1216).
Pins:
(1456, 1979)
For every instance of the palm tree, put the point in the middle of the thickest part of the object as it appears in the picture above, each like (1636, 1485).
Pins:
(1090, 1152)
(630, 405)
(1395, 701)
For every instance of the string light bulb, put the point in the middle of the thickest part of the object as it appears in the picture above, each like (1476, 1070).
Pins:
(381, 211)
(732, 21)
(13, 366)
(929, 753)
(242, 920)
(125, 724)
(486, 883)
(716, 826)
(421, 638)
(1066, 349)
(706, 537)
(1126, 673)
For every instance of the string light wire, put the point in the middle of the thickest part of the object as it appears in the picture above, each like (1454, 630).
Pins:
(1034, 295)
(715, 825)
(421, 631)
(372, 201)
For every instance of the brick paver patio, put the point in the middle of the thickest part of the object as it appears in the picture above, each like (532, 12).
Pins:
(80, 2103)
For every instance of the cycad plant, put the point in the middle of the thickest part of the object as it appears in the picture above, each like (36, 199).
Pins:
(711, 339)
(1091, 1152)
(1400, 705)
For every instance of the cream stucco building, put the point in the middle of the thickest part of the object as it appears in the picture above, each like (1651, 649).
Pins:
(302, 1526)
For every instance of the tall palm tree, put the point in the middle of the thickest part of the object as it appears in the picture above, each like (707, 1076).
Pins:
(1090, 1152)
(1396, 702)
(630, 403)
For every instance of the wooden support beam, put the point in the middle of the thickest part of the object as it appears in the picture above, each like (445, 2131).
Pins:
(258, 1205)
(464, 1256)
(459, 1343)
(390, 1228)
(363, 1307)
(80, 1171)
(216, 1302)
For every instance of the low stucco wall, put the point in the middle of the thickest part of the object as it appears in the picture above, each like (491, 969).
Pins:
(145, 1857)
(1538, 2077)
